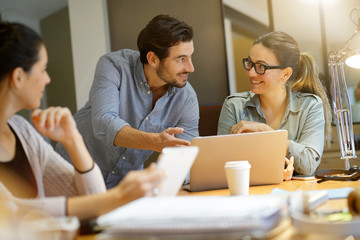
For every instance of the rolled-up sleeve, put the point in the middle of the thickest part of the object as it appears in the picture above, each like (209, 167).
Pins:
(105, 102)
(227, 118)
(307, 150)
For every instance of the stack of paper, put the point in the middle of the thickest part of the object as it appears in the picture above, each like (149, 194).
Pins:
(187, 214)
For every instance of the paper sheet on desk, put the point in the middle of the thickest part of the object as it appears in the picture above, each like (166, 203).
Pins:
(195, 214)
(336, 193)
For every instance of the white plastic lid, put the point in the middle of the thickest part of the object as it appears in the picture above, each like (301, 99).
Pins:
(237, 164)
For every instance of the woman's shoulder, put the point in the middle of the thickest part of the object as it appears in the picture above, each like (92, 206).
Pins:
(23, 128)
(240, 97)
(305, 101)
(307, 97)
(19, 122)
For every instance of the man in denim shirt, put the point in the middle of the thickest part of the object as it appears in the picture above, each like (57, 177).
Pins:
(140, 102)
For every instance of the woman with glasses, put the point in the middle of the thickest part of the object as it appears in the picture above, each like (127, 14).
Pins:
(32, 174)
(286, 93)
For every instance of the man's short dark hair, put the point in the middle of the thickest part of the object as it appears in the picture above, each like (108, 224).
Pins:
(161, 33)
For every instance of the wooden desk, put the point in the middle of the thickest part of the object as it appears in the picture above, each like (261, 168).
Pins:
(293, 185)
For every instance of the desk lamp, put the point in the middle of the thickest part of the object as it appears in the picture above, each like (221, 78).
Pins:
(340, 97)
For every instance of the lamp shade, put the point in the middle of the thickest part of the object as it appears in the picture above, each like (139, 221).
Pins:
(353, 60)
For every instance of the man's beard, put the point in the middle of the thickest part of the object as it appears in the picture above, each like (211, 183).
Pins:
(165, 76)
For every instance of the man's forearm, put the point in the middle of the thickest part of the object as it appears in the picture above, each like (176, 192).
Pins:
(129, 137)
(132, 138)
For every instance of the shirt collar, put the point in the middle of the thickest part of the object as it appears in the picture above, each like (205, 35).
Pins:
(254, 100)
(172, 90)
(293, 105)
(140, 75)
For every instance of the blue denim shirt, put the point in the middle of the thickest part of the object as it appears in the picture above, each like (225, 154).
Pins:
(303, 119)
(120, 96)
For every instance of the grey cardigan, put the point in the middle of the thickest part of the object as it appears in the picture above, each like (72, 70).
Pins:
(55, 178)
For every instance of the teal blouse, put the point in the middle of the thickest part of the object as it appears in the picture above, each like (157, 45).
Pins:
(303, 119)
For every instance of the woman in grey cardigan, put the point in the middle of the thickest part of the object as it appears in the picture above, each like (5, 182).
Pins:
(32, 174)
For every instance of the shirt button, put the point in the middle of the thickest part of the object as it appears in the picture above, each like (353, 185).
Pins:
(112, 172)
(148, 92)
(124, 158)
(141, 82)
(147, 118)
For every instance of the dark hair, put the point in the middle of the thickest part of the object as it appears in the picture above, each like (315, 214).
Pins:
(19, 47)
(305, 75)
(161, 33)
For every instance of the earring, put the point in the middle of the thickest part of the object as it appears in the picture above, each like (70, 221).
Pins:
(282, 85)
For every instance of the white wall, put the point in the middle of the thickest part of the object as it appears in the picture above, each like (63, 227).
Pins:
(230, 56)
(339, 27)
(256, 9)
(89, 40)
(300, 19)
(33, 23)
(29, 12)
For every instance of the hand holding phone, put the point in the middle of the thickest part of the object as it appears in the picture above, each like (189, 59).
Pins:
(303, 177)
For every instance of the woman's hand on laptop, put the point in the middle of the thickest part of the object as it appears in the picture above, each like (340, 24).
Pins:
(248, 126)
(289, 170)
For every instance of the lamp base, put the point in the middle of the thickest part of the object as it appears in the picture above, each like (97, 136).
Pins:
(353, 174)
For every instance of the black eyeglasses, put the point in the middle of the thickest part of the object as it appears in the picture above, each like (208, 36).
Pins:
(259, 67)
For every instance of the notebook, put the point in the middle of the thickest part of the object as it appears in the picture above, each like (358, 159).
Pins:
(194, 217)
(265, 151)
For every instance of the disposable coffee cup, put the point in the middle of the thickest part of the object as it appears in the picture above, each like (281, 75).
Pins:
(238, 176)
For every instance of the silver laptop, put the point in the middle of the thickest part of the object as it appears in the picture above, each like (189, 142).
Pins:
(265, 151)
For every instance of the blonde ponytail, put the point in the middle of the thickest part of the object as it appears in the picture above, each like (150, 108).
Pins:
(307, 80)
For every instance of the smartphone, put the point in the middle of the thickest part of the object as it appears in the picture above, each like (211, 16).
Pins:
(303, 177)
